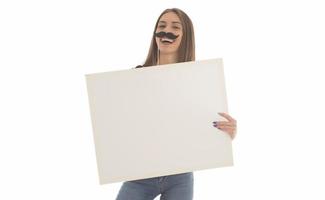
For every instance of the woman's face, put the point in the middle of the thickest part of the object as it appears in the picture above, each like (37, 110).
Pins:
(169, 22)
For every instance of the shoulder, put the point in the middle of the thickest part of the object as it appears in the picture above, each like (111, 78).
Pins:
(138, 66)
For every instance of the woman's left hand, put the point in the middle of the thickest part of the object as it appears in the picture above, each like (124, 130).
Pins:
(229, 126)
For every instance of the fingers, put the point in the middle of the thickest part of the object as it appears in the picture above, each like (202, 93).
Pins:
(225, 127)
(229, 126)
(224, 124)
(228, 117)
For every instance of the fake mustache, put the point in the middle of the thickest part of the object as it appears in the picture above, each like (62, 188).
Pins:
(168, 35)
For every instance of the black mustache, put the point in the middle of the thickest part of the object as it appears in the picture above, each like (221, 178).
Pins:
(167, 35)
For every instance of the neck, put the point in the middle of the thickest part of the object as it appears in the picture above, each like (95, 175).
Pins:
(167, 58)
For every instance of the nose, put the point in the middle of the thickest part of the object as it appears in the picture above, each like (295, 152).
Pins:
(168, 28)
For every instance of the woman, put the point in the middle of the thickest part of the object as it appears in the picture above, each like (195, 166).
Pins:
(172, 42)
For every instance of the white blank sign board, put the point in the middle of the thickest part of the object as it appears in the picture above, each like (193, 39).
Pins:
(157, 121)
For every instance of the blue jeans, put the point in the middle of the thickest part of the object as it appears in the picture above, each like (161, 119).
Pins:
(171, 187)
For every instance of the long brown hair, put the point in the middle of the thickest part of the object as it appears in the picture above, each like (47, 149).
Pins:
(186, 50)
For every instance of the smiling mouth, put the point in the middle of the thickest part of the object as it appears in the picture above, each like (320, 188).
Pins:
(166, 41)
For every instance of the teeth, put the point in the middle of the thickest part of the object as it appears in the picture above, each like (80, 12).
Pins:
(166, 39)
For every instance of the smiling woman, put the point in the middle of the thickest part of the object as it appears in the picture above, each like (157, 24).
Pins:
(172, 42)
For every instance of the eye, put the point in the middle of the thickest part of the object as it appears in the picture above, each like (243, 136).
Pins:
(162, 26)
(176, 27)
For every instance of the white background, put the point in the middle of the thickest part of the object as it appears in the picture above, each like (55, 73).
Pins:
(273, 55)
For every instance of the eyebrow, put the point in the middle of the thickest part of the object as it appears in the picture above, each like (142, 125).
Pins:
(174, 22)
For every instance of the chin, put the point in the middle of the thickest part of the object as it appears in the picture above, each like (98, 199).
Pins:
(168, 51)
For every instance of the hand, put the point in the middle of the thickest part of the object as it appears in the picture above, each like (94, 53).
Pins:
(229, 126)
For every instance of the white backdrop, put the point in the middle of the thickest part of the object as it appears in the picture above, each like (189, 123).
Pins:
(273, 53)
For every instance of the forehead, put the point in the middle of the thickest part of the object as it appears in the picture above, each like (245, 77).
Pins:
(169, 18)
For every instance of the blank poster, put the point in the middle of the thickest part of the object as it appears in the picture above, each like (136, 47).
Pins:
(157, 121)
